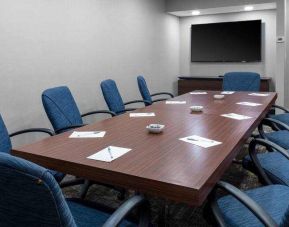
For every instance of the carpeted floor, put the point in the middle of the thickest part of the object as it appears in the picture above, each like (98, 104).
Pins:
(180, 215)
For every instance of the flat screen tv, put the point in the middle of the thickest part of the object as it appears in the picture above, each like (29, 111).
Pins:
(226, 42)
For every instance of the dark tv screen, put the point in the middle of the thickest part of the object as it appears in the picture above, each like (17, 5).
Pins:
(226, 42)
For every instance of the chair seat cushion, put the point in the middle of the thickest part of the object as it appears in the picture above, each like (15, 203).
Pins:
(276, 166)
(281, 117)
(273, 199)
(279, 137)
(85, 216)
(57, 175)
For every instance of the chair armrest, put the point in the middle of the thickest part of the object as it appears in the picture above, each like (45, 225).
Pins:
(137, 101)
(270, 146)
(58, 131)
(43, 130)
(159, 100)
(258, 211)
(163, 93)
(136, 201)
(99, 112)
(269, 121)
(280, 107)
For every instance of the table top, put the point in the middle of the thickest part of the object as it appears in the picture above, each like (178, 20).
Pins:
(159, 164)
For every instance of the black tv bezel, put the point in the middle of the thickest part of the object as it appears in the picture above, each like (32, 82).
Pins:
(228, 61)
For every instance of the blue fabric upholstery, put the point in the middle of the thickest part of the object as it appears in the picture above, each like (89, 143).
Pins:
(5, 147)
(274, 199)
(241, 81)
(86, 216)
(275, 165)
(61, 108)
(5, 142)
(112, 96)
(279, 137)
(281, 117)
(144, 91)
(32, 196)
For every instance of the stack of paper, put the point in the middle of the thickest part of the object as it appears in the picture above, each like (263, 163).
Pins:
(91, 134)
(236, 116)
(227, 92)
(200, 141)
(176, 102)
(142, 114)
(259, 94)
(198, 93)
(109, 154)
(249, 104)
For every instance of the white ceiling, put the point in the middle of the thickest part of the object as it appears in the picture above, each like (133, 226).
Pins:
(228, 9)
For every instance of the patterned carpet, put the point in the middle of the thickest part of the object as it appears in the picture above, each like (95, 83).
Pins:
(179, 215)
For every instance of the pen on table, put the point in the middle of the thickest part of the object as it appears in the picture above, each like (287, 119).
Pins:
(109, 151)
(88, 133)
(199, 140)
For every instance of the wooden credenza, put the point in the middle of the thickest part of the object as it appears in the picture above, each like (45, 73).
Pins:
(187, 84)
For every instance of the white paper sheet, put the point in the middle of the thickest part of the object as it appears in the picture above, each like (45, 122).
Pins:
(200, 141)
(176, 102)
(142, 114)
(236, 116)
(199, 93)
(227, 92)
(259, 94)
(88, 134)
(109, 154)
(249, 104)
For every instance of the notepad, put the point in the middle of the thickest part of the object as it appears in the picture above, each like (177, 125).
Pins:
(236, 116)
(200, 141)
(176, 102)
(142, 114)
(249, 104)
(198, 93)
(88, 134)
(259, 94)
(227, 92)
(109, 154)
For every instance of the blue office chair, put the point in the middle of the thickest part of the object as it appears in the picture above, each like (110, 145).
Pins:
(264, 206)
(241, 81)
(113, 98)
(272, 166)
(145, 93)
(279, 133)
(64, 115)
(6, 146)
(30, 196)
(62, 110)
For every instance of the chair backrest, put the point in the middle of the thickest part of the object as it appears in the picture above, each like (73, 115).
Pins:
(5, 142)
(241, 81)
(30, 195)
(285, 219)
(143, 88)
(61, 108)
(112, 96)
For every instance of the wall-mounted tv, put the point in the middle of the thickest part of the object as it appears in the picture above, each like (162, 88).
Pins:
(226, 42)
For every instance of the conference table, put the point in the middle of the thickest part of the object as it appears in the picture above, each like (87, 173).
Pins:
(159, 164)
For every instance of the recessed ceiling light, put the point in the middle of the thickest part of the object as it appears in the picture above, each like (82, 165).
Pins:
(248, 8)
(196, 12)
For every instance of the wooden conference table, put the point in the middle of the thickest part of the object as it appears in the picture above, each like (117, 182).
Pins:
(159, 164)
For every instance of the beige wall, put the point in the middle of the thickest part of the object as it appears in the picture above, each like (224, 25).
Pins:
(79, 43)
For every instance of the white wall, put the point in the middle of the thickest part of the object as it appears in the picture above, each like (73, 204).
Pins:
(79, 43)
(265, 68)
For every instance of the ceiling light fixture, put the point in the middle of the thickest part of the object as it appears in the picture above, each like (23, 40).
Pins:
(248, 8)
(196, 12)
